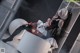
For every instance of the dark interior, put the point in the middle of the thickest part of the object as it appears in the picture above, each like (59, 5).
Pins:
(33, 10)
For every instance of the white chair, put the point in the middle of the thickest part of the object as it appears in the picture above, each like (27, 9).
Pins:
(31, 43)
(13, 26)
(16, 24)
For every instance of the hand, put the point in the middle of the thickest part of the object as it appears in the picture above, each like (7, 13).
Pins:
(48, 23)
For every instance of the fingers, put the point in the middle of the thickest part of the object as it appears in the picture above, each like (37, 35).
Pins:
(48, 22)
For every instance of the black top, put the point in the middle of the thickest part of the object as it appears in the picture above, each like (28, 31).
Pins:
(54, 24)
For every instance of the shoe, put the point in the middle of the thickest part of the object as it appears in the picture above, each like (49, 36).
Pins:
(4, 40)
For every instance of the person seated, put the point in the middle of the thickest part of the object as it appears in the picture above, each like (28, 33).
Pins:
(39, 29)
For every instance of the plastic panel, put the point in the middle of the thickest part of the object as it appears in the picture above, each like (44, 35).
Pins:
(8, 3)
(3, 15)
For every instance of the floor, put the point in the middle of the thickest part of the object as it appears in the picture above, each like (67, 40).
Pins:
(38, 9)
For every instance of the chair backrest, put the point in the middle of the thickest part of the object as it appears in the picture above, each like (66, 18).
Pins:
(31, 43)
(16, 24)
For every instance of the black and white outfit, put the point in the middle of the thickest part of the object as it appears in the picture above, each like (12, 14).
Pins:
(58, 21)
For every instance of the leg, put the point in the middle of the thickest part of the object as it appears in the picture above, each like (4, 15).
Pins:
(17, 31)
